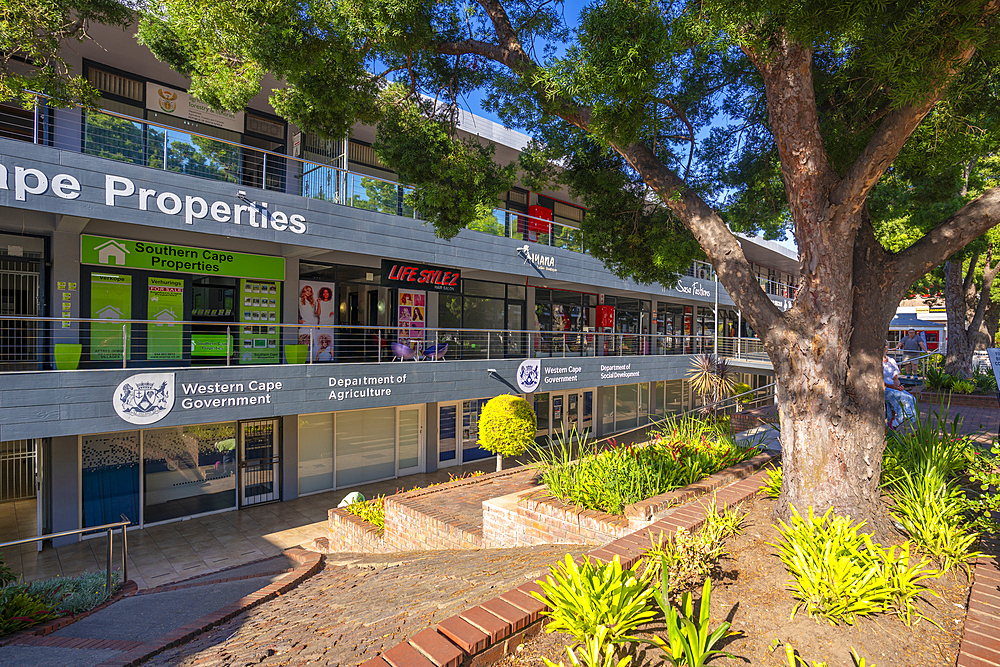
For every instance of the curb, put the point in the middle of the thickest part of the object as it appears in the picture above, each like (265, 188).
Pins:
(125, 590)
(310, 564)
(487, 632)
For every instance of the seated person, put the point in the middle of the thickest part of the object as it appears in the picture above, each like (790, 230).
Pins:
(901, 401)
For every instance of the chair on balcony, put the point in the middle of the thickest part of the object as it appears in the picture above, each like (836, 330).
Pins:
(436, 352)
(403, 352)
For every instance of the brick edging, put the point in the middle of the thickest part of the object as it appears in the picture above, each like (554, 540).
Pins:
(487, 632)
(979, 647)
(310, 563)
(48, 627)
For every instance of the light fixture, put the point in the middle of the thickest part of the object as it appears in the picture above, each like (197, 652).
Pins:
(381, 305)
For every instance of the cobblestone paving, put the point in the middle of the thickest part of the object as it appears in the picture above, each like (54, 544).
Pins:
(979, 422)
(359, 606)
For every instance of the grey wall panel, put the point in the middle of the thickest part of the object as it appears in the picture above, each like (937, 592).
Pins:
(329, 226)
(51, 404)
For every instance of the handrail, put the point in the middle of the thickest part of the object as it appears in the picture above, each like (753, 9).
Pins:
(110, 527)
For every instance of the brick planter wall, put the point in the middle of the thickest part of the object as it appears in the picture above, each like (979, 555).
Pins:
(951, 398)
(533, 517)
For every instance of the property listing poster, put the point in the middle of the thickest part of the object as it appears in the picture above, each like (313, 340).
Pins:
(411, 317)
(165, 305)
(110, 301)
(259, 336)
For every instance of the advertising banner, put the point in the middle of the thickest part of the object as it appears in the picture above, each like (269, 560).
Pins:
(165, 305)
(259, 315)
(125, 253)
(410, 275)
(110, 301)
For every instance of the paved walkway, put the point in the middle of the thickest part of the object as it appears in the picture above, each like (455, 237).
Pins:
(138, 620)
(179, 550)
(359, 606)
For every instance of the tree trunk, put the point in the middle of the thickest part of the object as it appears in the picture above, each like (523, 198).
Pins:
(958, 358)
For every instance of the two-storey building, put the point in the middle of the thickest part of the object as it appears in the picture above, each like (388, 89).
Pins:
(205, 310)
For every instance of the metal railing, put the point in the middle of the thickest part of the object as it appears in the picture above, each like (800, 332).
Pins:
(123, 138)
(109, 527)
(39, 343)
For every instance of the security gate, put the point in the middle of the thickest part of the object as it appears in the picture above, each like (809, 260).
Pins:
(18, 469)
(260, 462)
(20, 341)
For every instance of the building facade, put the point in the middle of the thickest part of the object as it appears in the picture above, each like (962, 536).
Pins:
(204, 310)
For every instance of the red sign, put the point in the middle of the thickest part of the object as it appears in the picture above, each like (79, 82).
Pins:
(419, 276)
(544, 221)
(606, 317)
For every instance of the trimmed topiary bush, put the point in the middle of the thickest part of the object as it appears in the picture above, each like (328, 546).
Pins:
(507, 426)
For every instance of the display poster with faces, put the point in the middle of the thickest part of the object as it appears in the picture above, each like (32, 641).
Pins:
(259, 317)
(317, 306)
(412, 316)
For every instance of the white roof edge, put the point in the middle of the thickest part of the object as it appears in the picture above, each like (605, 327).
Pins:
(773, 246)
(492, 132)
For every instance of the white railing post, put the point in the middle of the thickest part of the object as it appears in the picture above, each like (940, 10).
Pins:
(229, 344)
(263, 172)
(165, 133)
(124, 345)
(35, 129)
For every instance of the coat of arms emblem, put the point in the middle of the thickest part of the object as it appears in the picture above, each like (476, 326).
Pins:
(145, 398)
(529, 374)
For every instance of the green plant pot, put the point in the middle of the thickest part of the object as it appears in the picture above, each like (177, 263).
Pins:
(296, 354)
(67, 356)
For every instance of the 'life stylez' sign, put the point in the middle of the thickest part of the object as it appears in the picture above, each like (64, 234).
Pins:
(419, 276)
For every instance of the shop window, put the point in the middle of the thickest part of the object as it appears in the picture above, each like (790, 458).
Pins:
(110, 477)
(315, 453)
(188, 470)
(366, 446)
(542, 416)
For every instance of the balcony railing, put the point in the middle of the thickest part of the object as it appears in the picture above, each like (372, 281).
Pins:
(138, 141)
(41, 343)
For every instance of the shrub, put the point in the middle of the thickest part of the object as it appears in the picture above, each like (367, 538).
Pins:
(742, 388)
(772, 485)
(19, 609)
(929, 508)
(963, 386)
(585, 597)
(839, 574)
(682, 452)
(689, 640)
(690, 554)
(507, 426)
(984, 380)
(372, 511)
(933, 442)
(935, 378)
(984, 507)
(7, 575)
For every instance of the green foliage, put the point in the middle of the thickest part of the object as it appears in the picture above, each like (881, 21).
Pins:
(6, 574)
(932, 442)
(686, 554)
(372, 511)
(796, 661)
(709, 377)
(582, 598)
(507, 425)
(597, 651)
(690, 641)
(935, 378)
(929, 508)
(683, 451)
(984, 505)
(742, 388)
(840, 574)
(984, 379)
(35, 35)
(963, 386)
(19, 609)
(772, 484)
(454, 179)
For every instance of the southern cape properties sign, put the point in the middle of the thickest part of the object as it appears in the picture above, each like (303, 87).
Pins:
(104, 251)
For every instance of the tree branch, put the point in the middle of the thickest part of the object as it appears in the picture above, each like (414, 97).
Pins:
(969, 222)
(970, 275)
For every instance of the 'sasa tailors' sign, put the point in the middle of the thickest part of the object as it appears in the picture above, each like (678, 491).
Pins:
(419, 276)
(105, 251)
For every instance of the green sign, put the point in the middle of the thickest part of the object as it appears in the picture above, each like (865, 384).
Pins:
(105, 251)
(210, 345)
(110, 301)
(165, 306)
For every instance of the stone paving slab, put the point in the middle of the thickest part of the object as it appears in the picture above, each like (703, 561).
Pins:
(257, 568)
(361, 605)
(50, 656)
(142, 617)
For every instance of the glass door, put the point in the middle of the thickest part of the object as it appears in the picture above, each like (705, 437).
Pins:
(573, 412)
(410, 440)
(447, 435)
(260, 462)
(558, 416)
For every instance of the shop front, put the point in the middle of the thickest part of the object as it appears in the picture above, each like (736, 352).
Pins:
(200, 306)
(162, 474)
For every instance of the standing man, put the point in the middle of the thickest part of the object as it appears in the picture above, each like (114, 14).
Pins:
(912, 346)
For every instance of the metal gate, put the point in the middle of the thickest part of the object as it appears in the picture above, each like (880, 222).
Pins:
(19, 293)
(18, 469)
(260, 462)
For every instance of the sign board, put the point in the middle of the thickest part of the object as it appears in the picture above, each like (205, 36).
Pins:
(181, 104)
(104, 251)
(994, 355)
(410, 275)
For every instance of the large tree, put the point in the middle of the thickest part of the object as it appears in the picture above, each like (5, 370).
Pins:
(678, 122)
